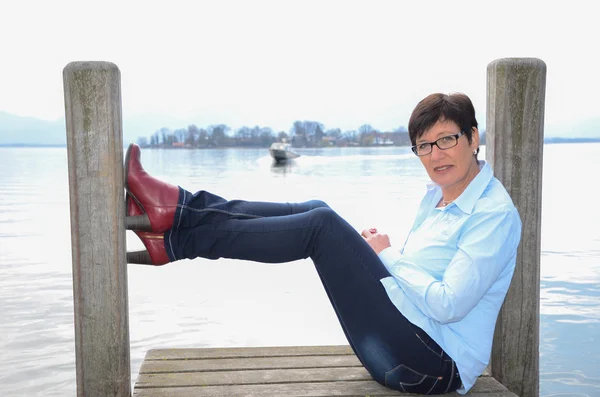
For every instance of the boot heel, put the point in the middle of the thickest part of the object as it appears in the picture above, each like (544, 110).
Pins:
(138, 222)
(139, 258)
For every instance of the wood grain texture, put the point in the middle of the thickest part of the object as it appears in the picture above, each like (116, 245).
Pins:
(224, 364)
(95, 158)
(239, 352)
(270, 371)
(319, 389)
(514, 139)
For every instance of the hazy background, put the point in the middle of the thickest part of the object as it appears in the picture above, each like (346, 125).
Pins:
(269, 63)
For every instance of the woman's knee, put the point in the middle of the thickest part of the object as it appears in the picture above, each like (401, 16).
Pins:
(317, 204)
(324, 214)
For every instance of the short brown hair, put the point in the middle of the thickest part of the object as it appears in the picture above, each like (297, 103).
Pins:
(441, 107)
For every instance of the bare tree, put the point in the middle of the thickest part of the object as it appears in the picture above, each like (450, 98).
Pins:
(242, 135)
(218, 133)
(282, 136)
(307, 132)
(192, 135)
(179, 135)
(266, 136)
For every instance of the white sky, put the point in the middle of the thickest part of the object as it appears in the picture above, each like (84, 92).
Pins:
(342, 63)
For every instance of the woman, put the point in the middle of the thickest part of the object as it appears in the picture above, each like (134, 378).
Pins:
(420, 318)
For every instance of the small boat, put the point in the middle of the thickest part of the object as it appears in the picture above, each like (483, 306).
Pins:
(282, 151)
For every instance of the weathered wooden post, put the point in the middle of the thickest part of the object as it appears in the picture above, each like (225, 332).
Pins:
(95, 156)
(516, 90)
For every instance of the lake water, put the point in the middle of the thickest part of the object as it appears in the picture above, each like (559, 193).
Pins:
(190, 303)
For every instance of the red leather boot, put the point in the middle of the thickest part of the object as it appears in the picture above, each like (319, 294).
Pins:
(157, 199)
(155, 253)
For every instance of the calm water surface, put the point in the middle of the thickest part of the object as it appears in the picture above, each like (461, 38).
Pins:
(203, 303)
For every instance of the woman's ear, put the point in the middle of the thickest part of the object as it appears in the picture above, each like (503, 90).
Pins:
(474, 138)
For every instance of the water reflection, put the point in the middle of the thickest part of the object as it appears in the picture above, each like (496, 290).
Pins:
(282, 167)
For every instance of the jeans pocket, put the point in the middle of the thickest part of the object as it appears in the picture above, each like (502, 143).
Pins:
(428, 341)
(408, 380)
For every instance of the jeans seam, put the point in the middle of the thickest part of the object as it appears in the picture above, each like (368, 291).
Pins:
(440, 355)
(451, 378)
(171, 244)
(402, 384)
(178, 224)
(183, 206)
(434, 383)
(181, 210)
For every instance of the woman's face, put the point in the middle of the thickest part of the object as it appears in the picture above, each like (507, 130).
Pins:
(452, 168)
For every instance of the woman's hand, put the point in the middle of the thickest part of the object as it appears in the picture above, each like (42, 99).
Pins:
(377, 241)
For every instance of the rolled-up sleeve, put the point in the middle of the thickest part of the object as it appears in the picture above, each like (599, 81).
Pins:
(487, 244)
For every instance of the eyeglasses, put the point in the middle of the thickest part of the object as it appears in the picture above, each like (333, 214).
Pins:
(445, 142)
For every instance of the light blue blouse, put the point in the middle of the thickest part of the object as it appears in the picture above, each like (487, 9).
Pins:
(452, 274)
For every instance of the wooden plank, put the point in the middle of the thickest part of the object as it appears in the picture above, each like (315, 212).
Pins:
(221, 364)
(312, 389)
(271, 371)
(239, 352)
(366, 388)
(248, 377)
(487, 385)
(277, 376)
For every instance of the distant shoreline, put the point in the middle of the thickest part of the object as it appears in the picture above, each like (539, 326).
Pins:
(570, 140)
(32, 145)
(548, 140)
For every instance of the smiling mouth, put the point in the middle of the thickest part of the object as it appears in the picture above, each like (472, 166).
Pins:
(442, 168)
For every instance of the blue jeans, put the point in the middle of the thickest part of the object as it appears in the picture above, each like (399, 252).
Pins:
(395, 352)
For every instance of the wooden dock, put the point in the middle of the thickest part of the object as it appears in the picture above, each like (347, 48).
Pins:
(514, 148)
(269, 371)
